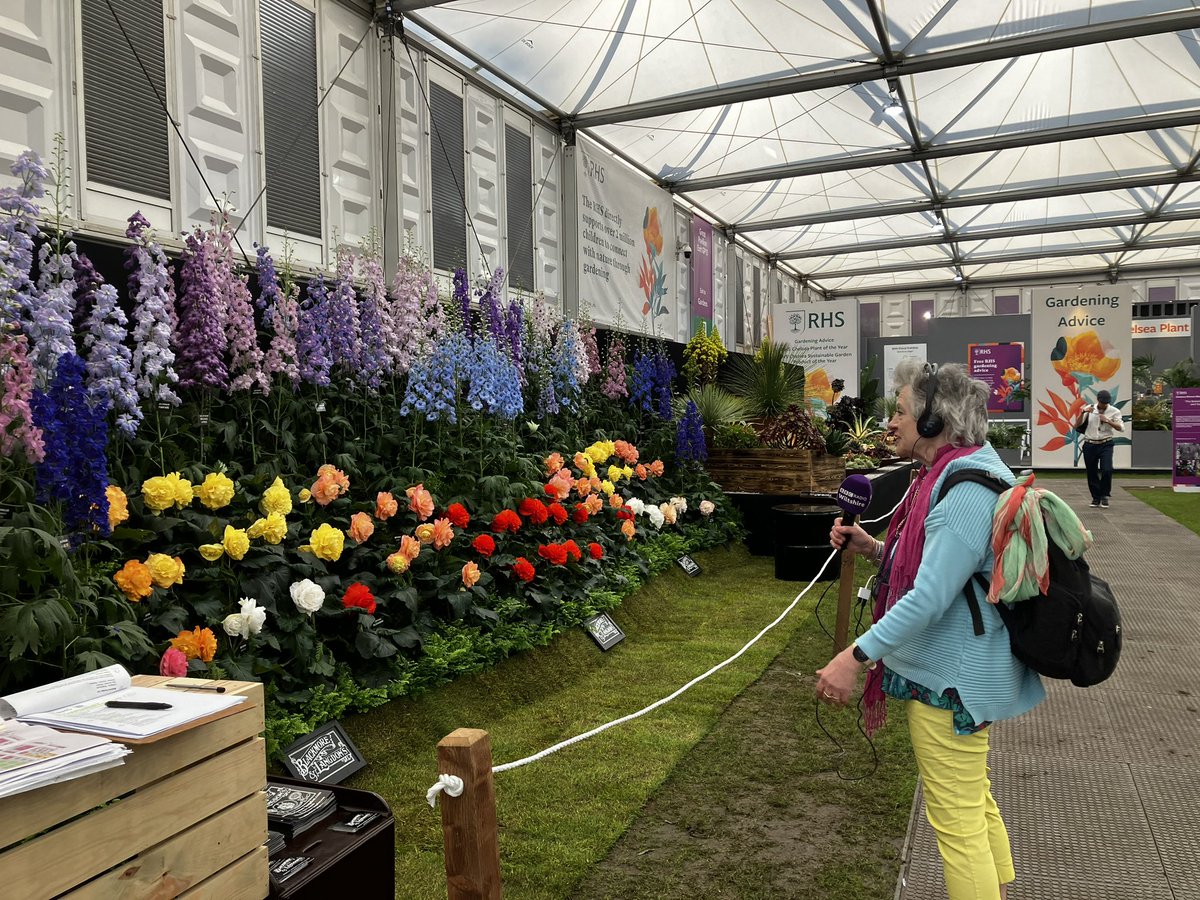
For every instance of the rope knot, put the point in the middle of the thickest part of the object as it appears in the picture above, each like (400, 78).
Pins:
(451, 784)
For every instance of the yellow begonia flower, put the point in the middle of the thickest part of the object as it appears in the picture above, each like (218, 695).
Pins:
(326, 542)
(597, 453)
(182, 488)
(627, 471)
(236, 541)
(608, 487)
(217, 490)
(158, 493)
(589, 469)
(305, 495)
(614, 474)
(212, 552)
(272, 528)
(165, 570)
(276, 499)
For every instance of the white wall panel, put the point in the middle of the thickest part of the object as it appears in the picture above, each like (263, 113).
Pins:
(213, 47)
(947, 304)
(350, 123)
(720, 297)
(748, 299)
(412, 163)
(484, 211)
(893, 315)
(683, 278)
(978, 303)
(547, 216)
(35, 72)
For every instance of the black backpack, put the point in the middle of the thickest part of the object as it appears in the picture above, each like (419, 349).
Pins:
(1071, 631)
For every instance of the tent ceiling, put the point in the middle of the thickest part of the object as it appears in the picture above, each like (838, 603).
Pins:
(1021, 140)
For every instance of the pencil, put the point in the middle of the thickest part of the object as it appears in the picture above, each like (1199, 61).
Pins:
(197, 687)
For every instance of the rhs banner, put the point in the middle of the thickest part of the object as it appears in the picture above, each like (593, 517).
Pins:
(1081, 342)
(822, 337)
(626, 244)
(1185, 417)
(702, 272)
(1001, 366)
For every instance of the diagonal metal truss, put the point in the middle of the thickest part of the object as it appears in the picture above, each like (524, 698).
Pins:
(934, 206)
(1002, 48)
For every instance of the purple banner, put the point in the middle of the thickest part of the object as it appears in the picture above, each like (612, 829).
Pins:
(1002, 368)
(702, 270)
(1185, 417)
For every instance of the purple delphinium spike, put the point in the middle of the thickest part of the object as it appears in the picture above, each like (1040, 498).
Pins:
(154, 320)
(201, 335)
(462, 299)
(109, 365)
(312, 348)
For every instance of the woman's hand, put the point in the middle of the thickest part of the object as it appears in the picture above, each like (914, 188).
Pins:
(854, 535)
(836, 682)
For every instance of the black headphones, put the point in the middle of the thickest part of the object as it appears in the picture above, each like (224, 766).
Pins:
(929, 423)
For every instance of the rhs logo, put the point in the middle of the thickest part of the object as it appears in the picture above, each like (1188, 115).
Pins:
(800, 321)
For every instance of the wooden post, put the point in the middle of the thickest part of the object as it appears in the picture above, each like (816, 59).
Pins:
(472, 848)
(845, 596)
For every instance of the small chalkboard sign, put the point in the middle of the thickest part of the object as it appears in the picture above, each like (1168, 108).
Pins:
(604, 631)
(689, 565)
(325, 756)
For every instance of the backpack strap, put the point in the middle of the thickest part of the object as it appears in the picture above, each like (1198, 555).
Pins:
(987, 479)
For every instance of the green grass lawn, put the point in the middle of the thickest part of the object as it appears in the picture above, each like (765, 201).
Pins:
(560, 816)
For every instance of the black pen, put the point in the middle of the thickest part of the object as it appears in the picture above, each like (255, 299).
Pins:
(134, 704)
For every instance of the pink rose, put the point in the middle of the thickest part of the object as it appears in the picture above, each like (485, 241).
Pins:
(173, 664)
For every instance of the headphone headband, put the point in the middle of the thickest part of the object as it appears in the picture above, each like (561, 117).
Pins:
(929, 423)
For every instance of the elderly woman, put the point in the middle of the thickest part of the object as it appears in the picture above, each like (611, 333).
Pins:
(922, 648)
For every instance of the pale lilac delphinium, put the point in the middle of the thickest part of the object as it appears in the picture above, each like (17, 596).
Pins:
(343, 317)
(109, 367)
(154, 320)
(48, 323)
(18, 230)
(374, 361)
(245, 356)
(404, 325)
(282, 315)
(200, 336)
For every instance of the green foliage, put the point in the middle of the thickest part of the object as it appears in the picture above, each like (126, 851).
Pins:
(837, 441)
(1152, 414)
(767, 382)
(868, 391)
(1005, 435)
(735, 436)
(793, 429)
(716, 405)
(703, 356)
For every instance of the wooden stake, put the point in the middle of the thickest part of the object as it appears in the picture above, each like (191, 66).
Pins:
(845, 596)
(469, 835)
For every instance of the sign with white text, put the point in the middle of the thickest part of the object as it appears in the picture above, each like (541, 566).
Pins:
(326, 756)
(1185, 418)
(822, 337)
(1082, 343)
(626, 244)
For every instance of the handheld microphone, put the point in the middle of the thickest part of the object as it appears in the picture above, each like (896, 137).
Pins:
(854, 495)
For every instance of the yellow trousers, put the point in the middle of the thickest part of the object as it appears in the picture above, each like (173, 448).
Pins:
(958, 802)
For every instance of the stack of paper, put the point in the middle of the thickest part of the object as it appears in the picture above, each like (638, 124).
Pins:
(293, 809)
(33, 756)
(103, 702)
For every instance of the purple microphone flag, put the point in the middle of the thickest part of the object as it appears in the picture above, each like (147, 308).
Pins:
(854, 495)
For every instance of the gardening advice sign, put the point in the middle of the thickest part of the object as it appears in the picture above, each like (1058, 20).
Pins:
(626, 244)
(822, 337)
(1082, 342)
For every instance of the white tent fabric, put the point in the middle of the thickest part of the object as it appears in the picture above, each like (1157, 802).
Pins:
(875, 144)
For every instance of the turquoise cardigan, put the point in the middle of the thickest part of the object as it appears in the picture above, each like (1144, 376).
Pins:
(927, 636)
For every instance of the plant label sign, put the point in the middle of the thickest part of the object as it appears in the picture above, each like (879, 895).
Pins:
(604, 631)
(325, 756)
(689, 565)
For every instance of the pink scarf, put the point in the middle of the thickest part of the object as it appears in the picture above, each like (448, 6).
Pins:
(904, 547)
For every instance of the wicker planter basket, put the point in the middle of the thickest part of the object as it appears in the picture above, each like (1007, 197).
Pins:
(768, 471)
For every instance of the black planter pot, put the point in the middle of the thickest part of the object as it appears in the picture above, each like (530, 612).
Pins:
(802, 540)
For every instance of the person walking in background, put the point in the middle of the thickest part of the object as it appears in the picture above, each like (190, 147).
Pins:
(1096, 424)
(922, 647)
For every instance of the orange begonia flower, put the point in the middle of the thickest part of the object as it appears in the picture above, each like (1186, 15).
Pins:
(443, 534)
(1086, 354)
(199, 643)
(361, 527)
(420, 501)
(627, 529)
(385, 506)
(135, 580)
(470, 574)
(410, 547)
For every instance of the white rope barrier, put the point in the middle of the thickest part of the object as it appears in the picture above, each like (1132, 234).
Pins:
(431, 794)
(451, 784)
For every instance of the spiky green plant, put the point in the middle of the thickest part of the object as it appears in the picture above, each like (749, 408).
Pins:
(767, 382)
(715, 404)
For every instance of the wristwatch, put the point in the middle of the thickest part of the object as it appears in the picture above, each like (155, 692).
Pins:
(860, 655)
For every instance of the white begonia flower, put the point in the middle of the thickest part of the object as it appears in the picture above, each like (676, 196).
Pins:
(680, 504)
(656, 516)
(706, 507)
(235, 625)
(307, 595)
(253, 614)
(636, 505)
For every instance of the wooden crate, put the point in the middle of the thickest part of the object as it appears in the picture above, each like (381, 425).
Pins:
(763, 471)
(185, 816)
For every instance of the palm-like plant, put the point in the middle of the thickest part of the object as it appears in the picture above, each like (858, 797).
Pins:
(715, 404)
(863, 430)
(767, 382)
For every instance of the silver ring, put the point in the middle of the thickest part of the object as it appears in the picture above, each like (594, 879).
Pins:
(827, 695)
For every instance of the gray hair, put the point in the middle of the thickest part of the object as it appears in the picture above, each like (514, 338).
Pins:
(960, 400)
